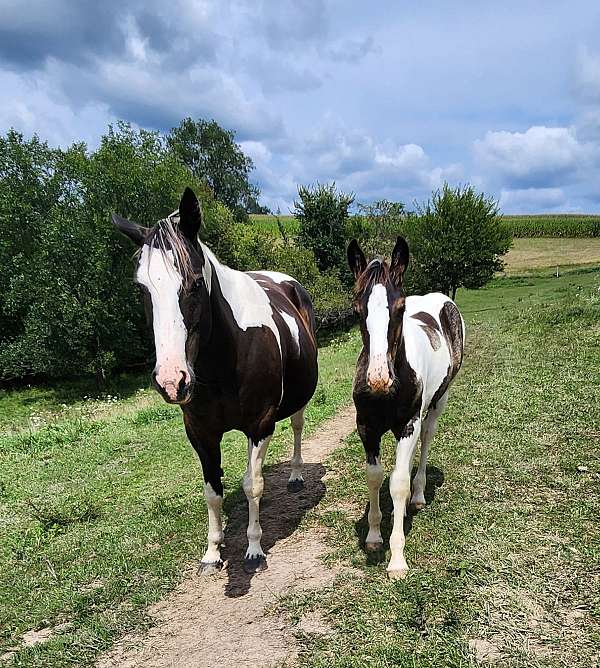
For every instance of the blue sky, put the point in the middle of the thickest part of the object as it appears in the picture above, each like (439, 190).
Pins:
(388, 98)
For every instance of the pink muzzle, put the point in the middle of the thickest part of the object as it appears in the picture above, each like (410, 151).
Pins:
(378, 374)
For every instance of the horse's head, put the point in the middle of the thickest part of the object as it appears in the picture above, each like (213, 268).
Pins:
(379, 304)
(175, 276)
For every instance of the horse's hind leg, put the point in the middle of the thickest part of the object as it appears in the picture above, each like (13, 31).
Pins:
(254, 484)
(428, 430)
(296, 481)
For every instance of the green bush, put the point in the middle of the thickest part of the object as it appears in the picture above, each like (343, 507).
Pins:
(322, 214)
(69, 307)
(457, 240)
(378, 226)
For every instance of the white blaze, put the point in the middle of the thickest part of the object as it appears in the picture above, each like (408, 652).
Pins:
(158, 274)
(378, 319)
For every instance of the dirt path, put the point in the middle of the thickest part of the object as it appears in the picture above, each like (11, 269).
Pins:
(224, 620)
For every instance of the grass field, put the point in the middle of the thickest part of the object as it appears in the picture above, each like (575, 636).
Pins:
(505, 558)
(533, 254)
(101, 504)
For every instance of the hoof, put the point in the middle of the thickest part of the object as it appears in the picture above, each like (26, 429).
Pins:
(418, 505)
(374, 546)
(295, 485)
(255, 564)
(397, 574)
(210, 567)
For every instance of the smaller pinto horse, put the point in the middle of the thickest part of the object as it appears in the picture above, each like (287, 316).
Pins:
(412, 351)
(235, 350)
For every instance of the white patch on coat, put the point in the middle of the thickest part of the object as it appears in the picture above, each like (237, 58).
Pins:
(378, 319)
(276, 276)
(248, 301)
(207, 273)
(290, 321)
(430, 366)
(157, 273)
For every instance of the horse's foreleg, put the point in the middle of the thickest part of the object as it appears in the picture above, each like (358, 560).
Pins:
(296, 481)
(428, 430)
(209, 452)
(371, 443)
(400, 493)
(255, 559)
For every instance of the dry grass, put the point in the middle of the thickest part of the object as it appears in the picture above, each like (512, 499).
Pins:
(529, 254)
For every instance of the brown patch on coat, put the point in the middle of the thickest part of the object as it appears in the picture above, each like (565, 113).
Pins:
(452, 330)
(431, 327)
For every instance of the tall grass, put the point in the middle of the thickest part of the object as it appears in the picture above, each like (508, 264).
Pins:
(554, 225)
(568, 225)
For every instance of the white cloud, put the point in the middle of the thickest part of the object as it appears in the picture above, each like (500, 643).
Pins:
(541, 156)
(35, 106)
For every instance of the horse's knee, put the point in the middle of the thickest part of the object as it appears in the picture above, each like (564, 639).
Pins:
(253, 485)
(399, 485)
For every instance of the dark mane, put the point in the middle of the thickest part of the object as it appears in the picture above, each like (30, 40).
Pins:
(377, 271)
(166, 236)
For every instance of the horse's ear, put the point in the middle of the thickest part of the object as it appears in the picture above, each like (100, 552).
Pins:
(190, 215)
(356, 258)
(399, 262)
(133, 231)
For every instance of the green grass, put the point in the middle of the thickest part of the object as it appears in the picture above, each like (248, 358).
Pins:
(505, 558)
(269, 223)
(101, 506)
(101, 509)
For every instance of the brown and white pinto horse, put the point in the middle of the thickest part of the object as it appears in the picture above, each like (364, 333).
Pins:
(235, 350)
(412, 351)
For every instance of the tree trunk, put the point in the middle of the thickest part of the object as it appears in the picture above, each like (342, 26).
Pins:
(454, 289)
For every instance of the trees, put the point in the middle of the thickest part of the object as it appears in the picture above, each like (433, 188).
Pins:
(69, 297)
(212, 155)
(383, 222)
(458, 240)
(322, 212)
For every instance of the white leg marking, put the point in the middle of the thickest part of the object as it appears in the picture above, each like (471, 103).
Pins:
(297, 421)
(214, 503)
(427, 433)
(374, 480)
(400, 492)
(253, 487)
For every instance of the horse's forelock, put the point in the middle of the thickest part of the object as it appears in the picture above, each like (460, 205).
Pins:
(165, 237)
(377, 272)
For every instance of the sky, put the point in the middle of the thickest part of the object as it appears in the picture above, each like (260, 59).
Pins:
(388, 98)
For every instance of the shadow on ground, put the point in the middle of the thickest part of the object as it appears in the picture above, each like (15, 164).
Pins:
(281, 512)
(435, 479)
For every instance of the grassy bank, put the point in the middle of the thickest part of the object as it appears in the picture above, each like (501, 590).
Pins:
(101, 507)
(505, 557)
